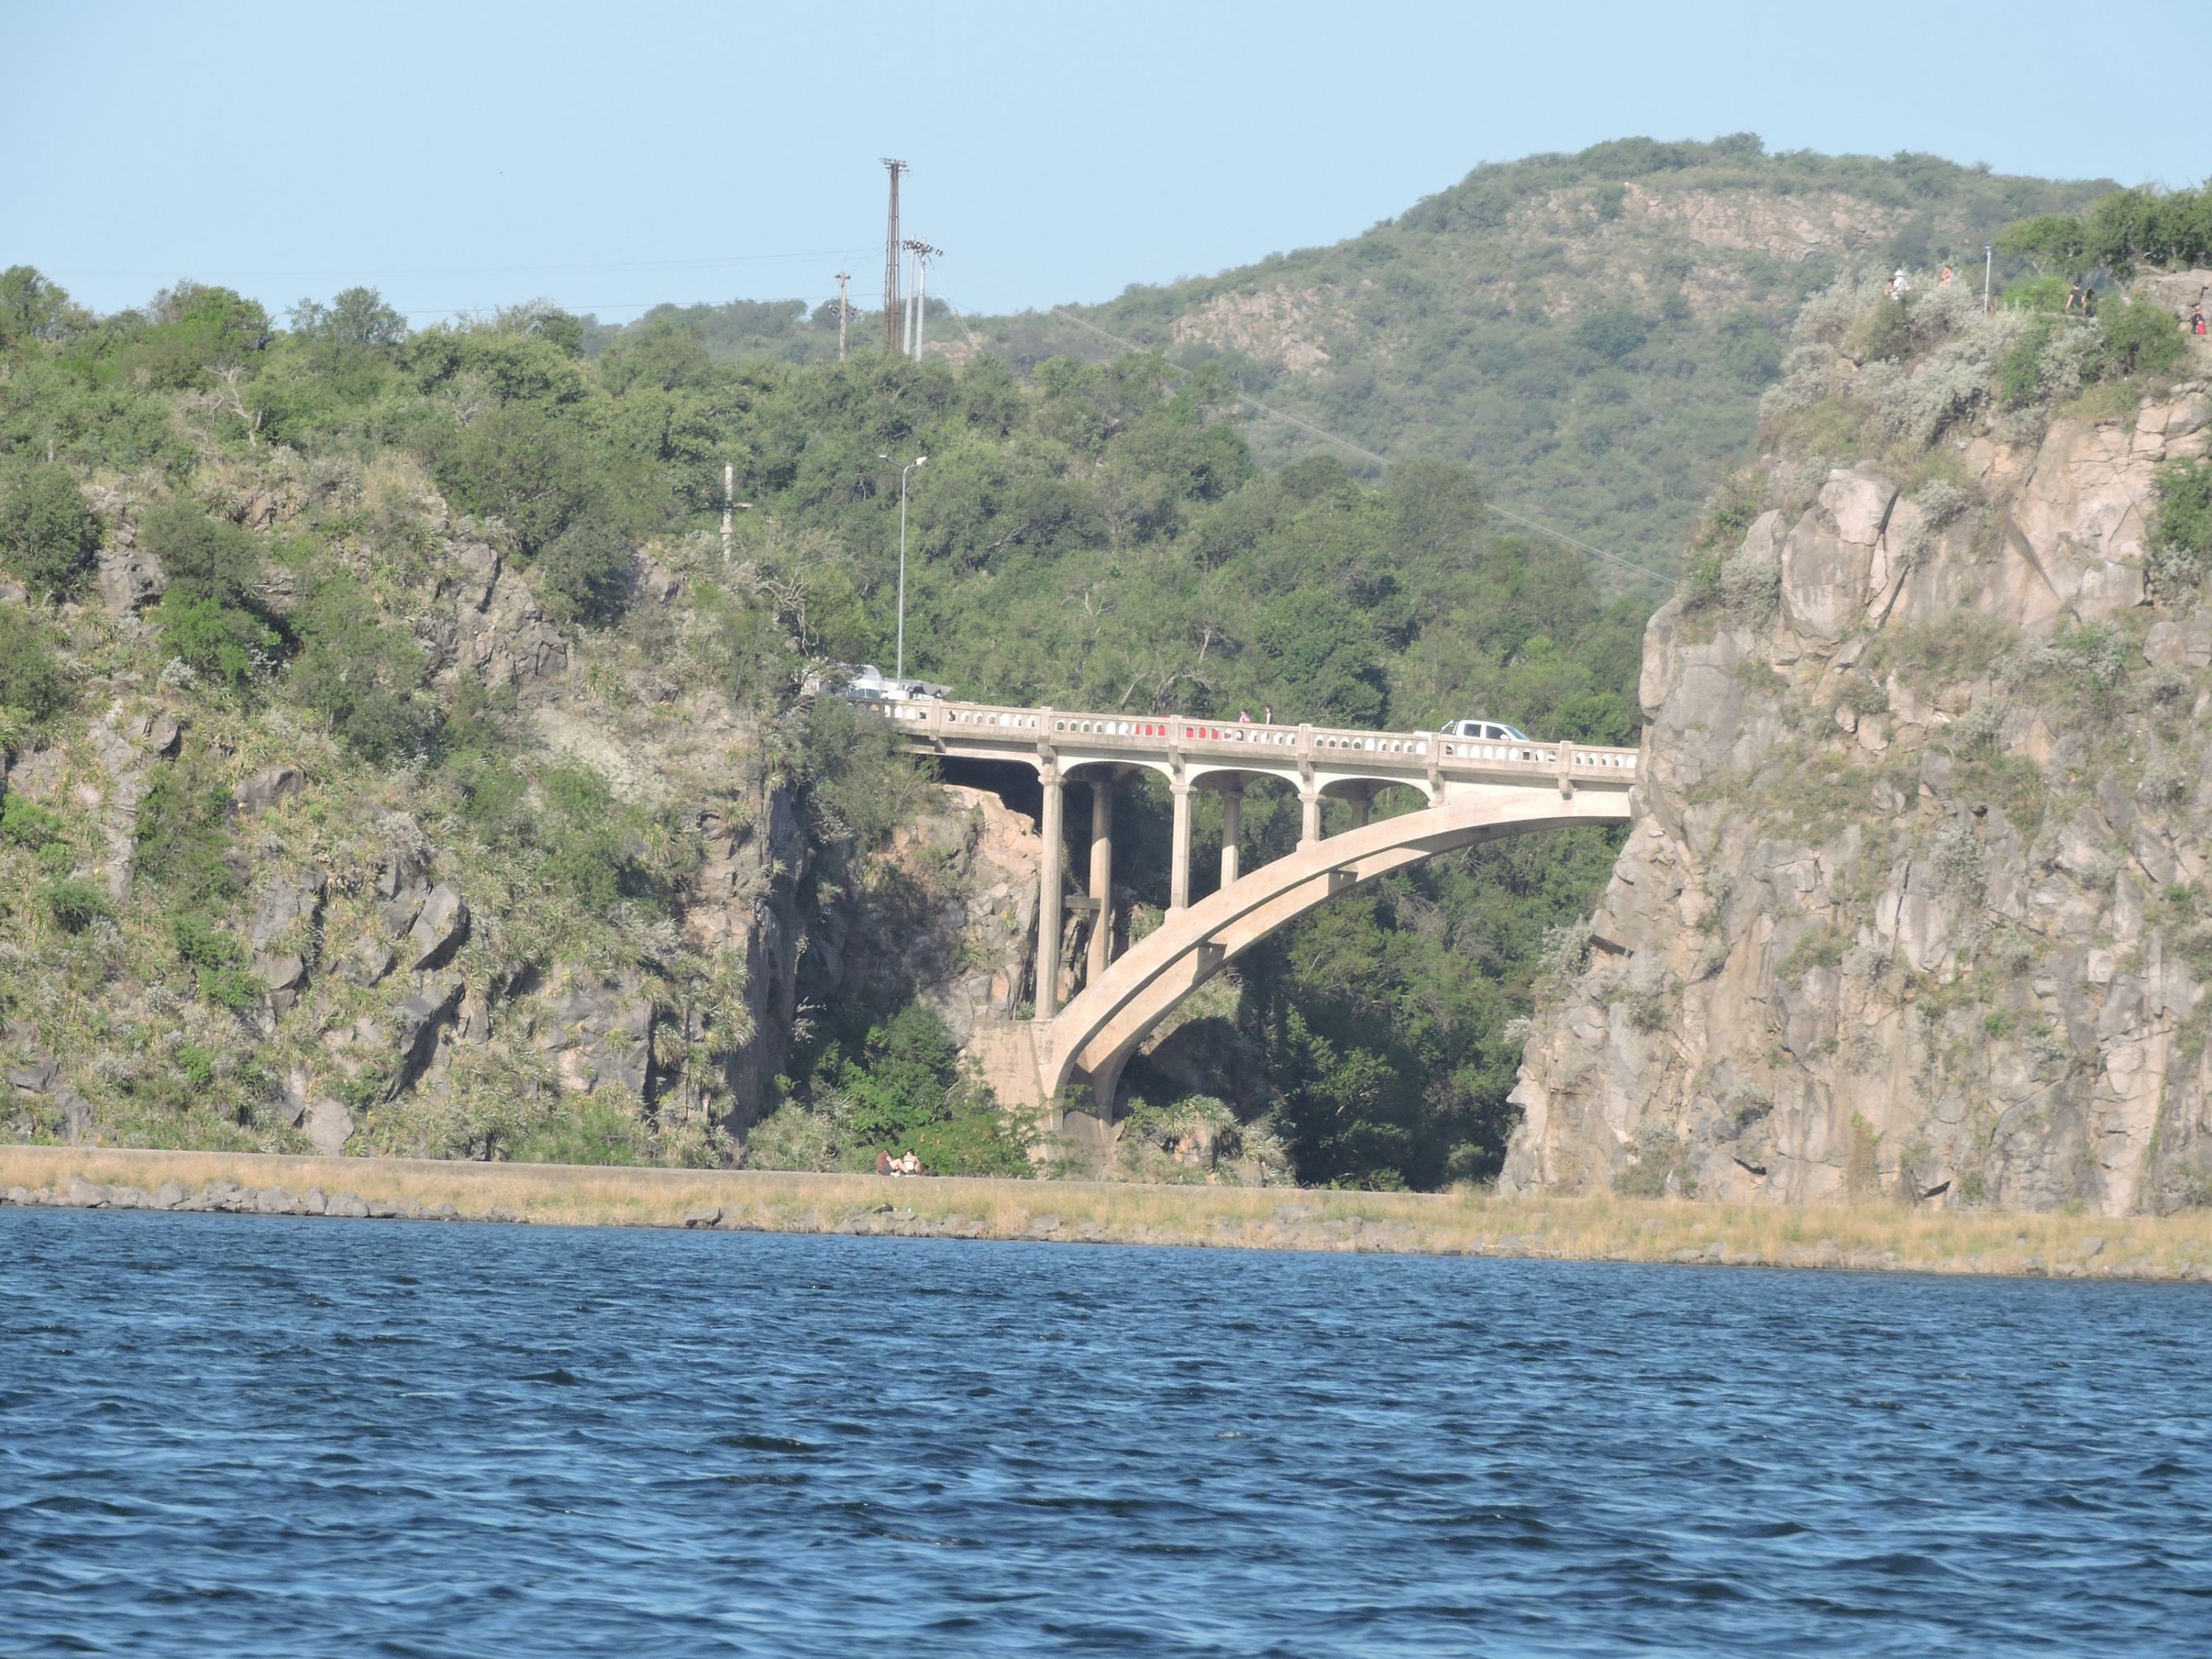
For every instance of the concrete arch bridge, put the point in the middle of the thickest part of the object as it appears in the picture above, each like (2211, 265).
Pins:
(1474, 791)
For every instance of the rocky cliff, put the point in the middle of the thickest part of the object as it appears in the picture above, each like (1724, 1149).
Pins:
(363, 958)
(1914, 901)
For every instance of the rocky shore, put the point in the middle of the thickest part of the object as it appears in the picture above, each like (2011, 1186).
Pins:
(1872, 1237)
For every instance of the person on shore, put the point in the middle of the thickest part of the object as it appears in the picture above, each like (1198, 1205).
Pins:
(884, 1165)
(909, 1165)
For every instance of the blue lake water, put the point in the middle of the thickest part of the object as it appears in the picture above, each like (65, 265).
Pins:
(247, 1436)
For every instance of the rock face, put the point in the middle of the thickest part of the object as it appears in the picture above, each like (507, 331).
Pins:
(949, 912)
(1911, 902)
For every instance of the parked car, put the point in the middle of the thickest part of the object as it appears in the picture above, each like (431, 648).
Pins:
(869, 683)
(1491, 731)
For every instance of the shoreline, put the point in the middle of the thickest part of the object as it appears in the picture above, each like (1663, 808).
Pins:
(1875, 1236)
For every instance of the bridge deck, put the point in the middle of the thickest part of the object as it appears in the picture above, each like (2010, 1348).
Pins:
(1169, 743)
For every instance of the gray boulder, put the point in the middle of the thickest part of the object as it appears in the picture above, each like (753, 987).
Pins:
(128, 581)
(330, 1125)
(440, 929)
(37, 1078)
(77, 1115)
(417, 1020)
(281, 975)
(267, 787)
(369, 962)
(293, 904)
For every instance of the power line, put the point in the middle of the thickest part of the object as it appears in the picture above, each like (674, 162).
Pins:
(1380, 460)
(474, 270)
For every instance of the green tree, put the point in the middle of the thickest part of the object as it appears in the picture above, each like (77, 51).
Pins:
(211, 614)
(47, 534)
(32, 688)
(357, 317)
(360, 673)
(33, 308)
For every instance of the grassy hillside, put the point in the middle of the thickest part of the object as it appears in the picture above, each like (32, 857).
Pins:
(1589, 332)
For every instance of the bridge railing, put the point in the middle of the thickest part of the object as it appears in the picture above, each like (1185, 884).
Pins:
(990, 722)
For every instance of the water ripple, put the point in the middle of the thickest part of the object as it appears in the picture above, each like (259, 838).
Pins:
(255, 1437)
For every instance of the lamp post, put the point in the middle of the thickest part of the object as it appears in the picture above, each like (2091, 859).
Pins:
(898, 669)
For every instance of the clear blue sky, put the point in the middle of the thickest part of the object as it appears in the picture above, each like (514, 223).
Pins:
(607, 157)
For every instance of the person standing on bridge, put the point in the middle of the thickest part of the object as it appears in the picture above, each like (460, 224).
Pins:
(1269, 718)
(1243, 717)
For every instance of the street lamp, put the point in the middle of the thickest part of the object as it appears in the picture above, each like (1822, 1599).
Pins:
(898, 669)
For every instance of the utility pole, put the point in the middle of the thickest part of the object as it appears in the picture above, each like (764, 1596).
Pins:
(891, 261)
(906, 314)
(919, 301)
(898, 669)
(729, 505)
(843, 312)
(1988, 263)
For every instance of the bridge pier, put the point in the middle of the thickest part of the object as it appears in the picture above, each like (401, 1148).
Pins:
(1308, 813)
(1051, 879)
(1232, 825)
(1102, 878)
(1179, 853)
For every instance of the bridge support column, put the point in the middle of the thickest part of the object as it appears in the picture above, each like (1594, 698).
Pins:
(1050, 883)
(1232, 826)
(1102, 878)
(1179, 853)
(1361, 804)
(1308, 815)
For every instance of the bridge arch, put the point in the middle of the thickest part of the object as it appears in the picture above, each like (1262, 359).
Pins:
(1092, 1039)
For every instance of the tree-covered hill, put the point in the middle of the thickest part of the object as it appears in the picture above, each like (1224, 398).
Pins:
(412, 568)
(1589, 332)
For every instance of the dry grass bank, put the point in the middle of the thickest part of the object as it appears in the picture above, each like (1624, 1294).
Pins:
(1601, 1227)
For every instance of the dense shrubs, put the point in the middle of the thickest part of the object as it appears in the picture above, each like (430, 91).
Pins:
(48, 536)
(1933, 361)
(212, 614)
(359, 674)
(2119, 232)
(32, 688)
(2181, 525)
